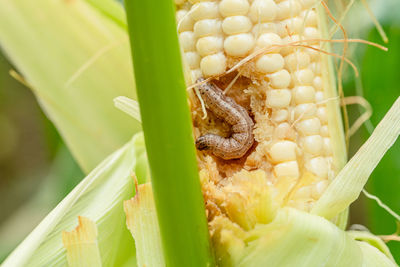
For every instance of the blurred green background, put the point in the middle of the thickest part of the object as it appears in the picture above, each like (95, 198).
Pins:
(37, 170)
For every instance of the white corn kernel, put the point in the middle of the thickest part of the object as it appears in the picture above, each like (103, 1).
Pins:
(282, 130)
(279, 79)
(269, 63)
(318, 166)
(204, 10)
(239, 45)
(327, 146)
(288, 9)
(196, 74)
(304, 192)
(187, 41)
(260, 28)
(213, 64)
(263, 11)
(192, 59)
(289, 40)
(283, 151)
(292, 25)
(317, 82)
(309, 126)
(278, 98)
(322, 115)
(310, 17)
(303, 77)
(207, 27)
(308, 3)
(233, 7)
(287, 169)
(313, 144)
(279, 115)
(319, 188)
(266, 40)
(325, 131)
(305, 111)
(311, 33)
(236, 24)
(184, 21)
(209, 45)
(297, 60)
(304, 94)
(319, 97)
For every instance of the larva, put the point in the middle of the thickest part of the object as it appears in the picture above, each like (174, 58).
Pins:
(227, 109)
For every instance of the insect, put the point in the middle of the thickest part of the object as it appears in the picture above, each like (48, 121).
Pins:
(235, 115)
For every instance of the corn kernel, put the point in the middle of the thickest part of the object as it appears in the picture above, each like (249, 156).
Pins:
(184, 21)
(317, 83)
(262, 11)
(239, 44)
(287, 169)
(279, 79)
(207, 27)
(313, 144)
(260, 28)
(318, 166)
(319, 188)
(322, 115)
(303, 77)
(204, 10)
(309, 126)
(213, 64)
(236, 24)
(187, 41)
(327, 146)
(325, 131)
(283, 151)
(279, 115)
(269, 63)
(297, 60)
(304, 94)
(233, 7)
(209, 45)
(287, 9)
(305, 111)
(192, 59)
(266, 40)
(278, 98)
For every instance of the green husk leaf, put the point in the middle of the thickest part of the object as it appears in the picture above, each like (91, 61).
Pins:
(141, 220)
(74, 57)
(98, 197)
(293, 238)
(167, 128)
(348, 184)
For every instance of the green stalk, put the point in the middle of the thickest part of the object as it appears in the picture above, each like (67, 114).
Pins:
(168, 133)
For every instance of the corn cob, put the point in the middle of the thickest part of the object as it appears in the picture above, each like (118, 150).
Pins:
(288, 91)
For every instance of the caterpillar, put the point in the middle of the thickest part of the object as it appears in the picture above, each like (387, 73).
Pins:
(235, 115)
